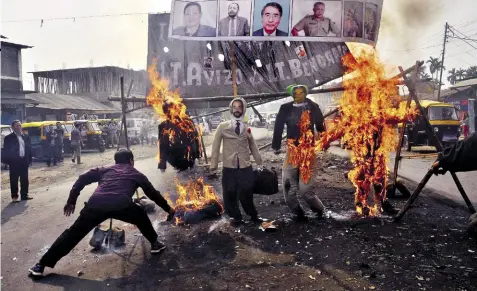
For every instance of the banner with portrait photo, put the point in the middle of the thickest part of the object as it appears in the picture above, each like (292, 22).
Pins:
(276, 20)
(203, 68)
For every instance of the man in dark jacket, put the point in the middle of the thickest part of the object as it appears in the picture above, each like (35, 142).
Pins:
(293, 182)
(60, 133)
(17, 154)
(111, 199)
(51, 151)
(461, 157)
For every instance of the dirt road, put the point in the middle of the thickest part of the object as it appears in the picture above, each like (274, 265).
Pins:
(428, 250)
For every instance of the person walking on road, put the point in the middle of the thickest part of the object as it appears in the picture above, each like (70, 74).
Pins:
(111, 199)
(51, 151)
(60, 133)
(238, 178)
(293, 184)
(17, 154)
(76, 145)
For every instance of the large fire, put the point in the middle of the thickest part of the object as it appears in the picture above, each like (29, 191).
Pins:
(369, 108)
(194, 195)
(169, 107)
(301, 152)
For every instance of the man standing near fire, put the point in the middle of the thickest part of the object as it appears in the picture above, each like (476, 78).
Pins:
(238, 178)
(292, 115)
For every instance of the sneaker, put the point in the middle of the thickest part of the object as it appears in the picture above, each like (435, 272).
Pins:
(157, 247)
(15, 198)
(37, 270)
(301, 218)
(27, 197)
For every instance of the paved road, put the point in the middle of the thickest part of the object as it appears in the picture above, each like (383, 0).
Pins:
(30, 227)
(415, 169)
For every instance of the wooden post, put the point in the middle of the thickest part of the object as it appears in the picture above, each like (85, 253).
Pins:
(234, 68)
(431, 133)
(123, 109)
(401, 136)
(201, 138)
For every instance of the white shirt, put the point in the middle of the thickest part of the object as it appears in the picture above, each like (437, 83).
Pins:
(234, 125)
(21, 143)
(274, 33)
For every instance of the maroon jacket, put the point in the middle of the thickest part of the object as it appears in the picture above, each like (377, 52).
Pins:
(116, 186)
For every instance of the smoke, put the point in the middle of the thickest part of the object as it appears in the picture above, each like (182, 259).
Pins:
(404, 21)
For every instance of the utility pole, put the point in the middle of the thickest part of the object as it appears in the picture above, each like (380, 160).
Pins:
(442, 61)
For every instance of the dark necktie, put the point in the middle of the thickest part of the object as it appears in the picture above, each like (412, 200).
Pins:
(237, 128)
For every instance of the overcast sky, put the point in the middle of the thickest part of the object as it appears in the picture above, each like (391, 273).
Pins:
(410, 30)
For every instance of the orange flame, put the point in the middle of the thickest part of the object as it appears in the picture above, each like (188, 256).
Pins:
(368, 112)
(160, 96)
(194, 195)
(301, 152)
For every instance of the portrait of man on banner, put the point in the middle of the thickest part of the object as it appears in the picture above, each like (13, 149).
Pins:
(208, 62)
(321, 18)
(353, 19)
(234, 18)
(271, 18)
(196, 19)
(371, 21)
(300, 52)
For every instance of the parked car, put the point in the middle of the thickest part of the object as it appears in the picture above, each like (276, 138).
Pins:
(271, 121)
(256, 122)
(6, 130)
(215, 120)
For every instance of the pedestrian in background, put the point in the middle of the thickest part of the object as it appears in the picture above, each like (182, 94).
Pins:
(60, 133)
(76, 145)
(50, 147)
(17, 151)
(465, 125)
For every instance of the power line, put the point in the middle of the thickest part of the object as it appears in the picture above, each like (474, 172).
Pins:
(77, 17)
(465, 36)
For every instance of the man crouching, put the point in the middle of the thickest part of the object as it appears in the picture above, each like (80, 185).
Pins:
(111, 199)
(237, 176)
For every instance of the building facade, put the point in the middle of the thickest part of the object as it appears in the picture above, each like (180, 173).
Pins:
(13, 96)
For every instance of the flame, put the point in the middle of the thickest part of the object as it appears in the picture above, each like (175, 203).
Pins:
(301, 152)
(369, 110)
(194, 195)
(160, 97)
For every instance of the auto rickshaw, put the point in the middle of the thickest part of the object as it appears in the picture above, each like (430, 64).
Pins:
(37, 132)
(444, 122)
(91, 134)
(5, 130)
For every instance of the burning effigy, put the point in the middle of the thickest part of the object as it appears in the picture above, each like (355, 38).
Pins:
(196, 201)
(369, 108)
(178, 138)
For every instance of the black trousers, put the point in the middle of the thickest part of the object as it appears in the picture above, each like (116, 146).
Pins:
(51, 155)
(19, 170)
(59, 152)
(89, 218)
(237, 184)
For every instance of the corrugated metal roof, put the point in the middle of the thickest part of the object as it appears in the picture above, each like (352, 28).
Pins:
(69, 102)
(466, 83)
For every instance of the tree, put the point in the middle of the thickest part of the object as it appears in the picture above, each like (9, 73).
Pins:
(452, 77)
(460, 74)
(471, 72)
(434, 65)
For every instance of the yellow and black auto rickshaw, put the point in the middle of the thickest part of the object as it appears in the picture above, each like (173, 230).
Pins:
(91, 134)
(444, 122)
(37, 132)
